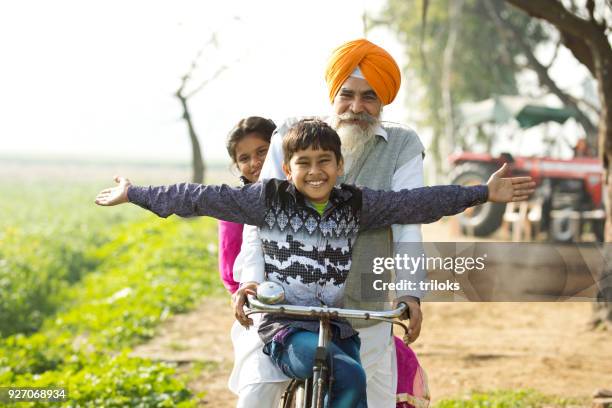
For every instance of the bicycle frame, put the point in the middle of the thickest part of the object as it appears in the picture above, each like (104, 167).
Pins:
(324, 314)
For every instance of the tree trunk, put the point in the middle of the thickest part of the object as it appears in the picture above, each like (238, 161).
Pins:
(588, 41)
(197, 163)
(448, 144)
(603, 67)
(437, 155)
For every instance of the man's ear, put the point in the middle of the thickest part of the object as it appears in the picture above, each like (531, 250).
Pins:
(341, 167)
(287, 170)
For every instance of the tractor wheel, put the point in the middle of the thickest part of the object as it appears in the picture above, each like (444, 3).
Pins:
(484, 219)
(599, 228)
(564, 229)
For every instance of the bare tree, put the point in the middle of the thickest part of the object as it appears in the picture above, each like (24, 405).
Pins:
(197, 160)
(586, 32)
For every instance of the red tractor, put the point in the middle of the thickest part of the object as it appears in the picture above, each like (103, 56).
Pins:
(569, 192)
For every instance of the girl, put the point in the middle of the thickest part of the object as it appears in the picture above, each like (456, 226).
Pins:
(247, 145)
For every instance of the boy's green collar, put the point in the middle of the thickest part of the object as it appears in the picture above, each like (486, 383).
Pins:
(320, 207)
(337, 194)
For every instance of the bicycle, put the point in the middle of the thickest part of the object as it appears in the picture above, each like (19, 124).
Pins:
(309, 393)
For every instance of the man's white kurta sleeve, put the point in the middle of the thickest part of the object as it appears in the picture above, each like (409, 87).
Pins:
(410, 175)
(249, 265)
(272, 167)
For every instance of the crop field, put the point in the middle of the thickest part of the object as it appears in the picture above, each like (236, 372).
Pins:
(81, 284)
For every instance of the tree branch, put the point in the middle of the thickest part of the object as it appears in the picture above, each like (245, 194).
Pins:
(542, 72)
(424, 19)
(577, 34)
(554, 57)
(603, 24)
(586, 103)
(423, 27)
(491, 10)
(556, 14)
(590, 5)
(580, 49)
(194, 64)
(207, 81)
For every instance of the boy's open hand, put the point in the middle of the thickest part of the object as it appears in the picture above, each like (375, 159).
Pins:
(115, 195)
(505, 190)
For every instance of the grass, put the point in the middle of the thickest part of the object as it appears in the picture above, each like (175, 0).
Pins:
(82, 285)
(508, 399)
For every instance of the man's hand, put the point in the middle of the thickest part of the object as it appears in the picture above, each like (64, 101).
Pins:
(413, 313)
(505, 190)
(239, 299)
(115, 195)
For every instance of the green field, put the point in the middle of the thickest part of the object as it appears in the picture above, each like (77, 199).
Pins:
(80, 285)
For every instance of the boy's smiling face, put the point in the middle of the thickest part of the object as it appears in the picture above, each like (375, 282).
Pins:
(314, 173)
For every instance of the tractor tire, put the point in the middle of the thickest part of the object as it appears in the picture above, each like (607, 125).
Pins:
(599, 229)
(564, 229)
(484, 219)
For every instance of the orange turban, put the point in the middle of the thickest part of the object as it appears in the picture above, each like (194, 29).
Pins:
(378, 68)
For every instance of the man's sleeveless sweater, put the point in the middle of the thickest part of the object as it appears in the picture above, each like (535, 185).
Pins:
(375, 169)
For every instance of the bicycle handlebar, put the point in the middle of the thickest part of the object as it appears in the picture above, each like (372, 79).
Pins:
(257, 306)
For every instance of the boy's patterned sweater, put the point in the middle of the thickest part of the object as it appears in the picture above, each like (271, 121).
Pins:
(309, 254)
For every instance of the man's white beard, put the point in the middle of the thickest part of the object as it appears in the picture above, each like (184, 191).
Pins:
(353, 137)
(354, 140)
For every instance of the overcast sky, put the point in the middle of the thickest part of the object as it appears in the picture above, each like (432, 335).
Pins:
(96, 79)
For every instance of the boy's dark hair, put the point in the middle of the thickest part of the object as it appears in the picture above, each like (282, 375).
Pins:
(311, 133)
(262, 127)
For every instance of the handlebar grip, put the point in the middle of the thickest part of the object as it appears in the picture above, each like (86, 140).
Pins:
(406, 310)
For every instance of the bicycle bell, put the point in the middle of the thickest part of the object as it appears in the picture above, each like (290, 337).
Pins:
(270, 293)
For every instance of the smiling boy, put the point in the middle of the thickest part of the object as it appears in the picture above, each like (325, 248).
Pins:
(308, 226)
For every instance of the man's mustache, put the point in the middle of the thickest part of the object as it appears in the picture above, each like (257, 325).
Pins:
(362, 116)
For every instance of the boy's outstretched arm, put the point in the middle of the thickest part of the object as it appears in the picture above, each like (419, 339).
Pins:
(243, 205)
(115, 195)
(505, 190)
(429, 204)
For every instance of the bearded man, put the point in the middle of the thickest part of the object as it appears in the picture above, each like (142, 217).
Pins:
(361, 78)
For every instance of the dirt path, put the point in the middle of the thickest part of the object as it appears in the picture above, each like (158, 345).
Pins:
(463, 347)
(485, 346)
(199, 339)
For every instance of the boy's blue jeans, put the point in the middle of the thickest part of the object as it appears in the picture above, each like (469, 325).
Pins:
(296, 358)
